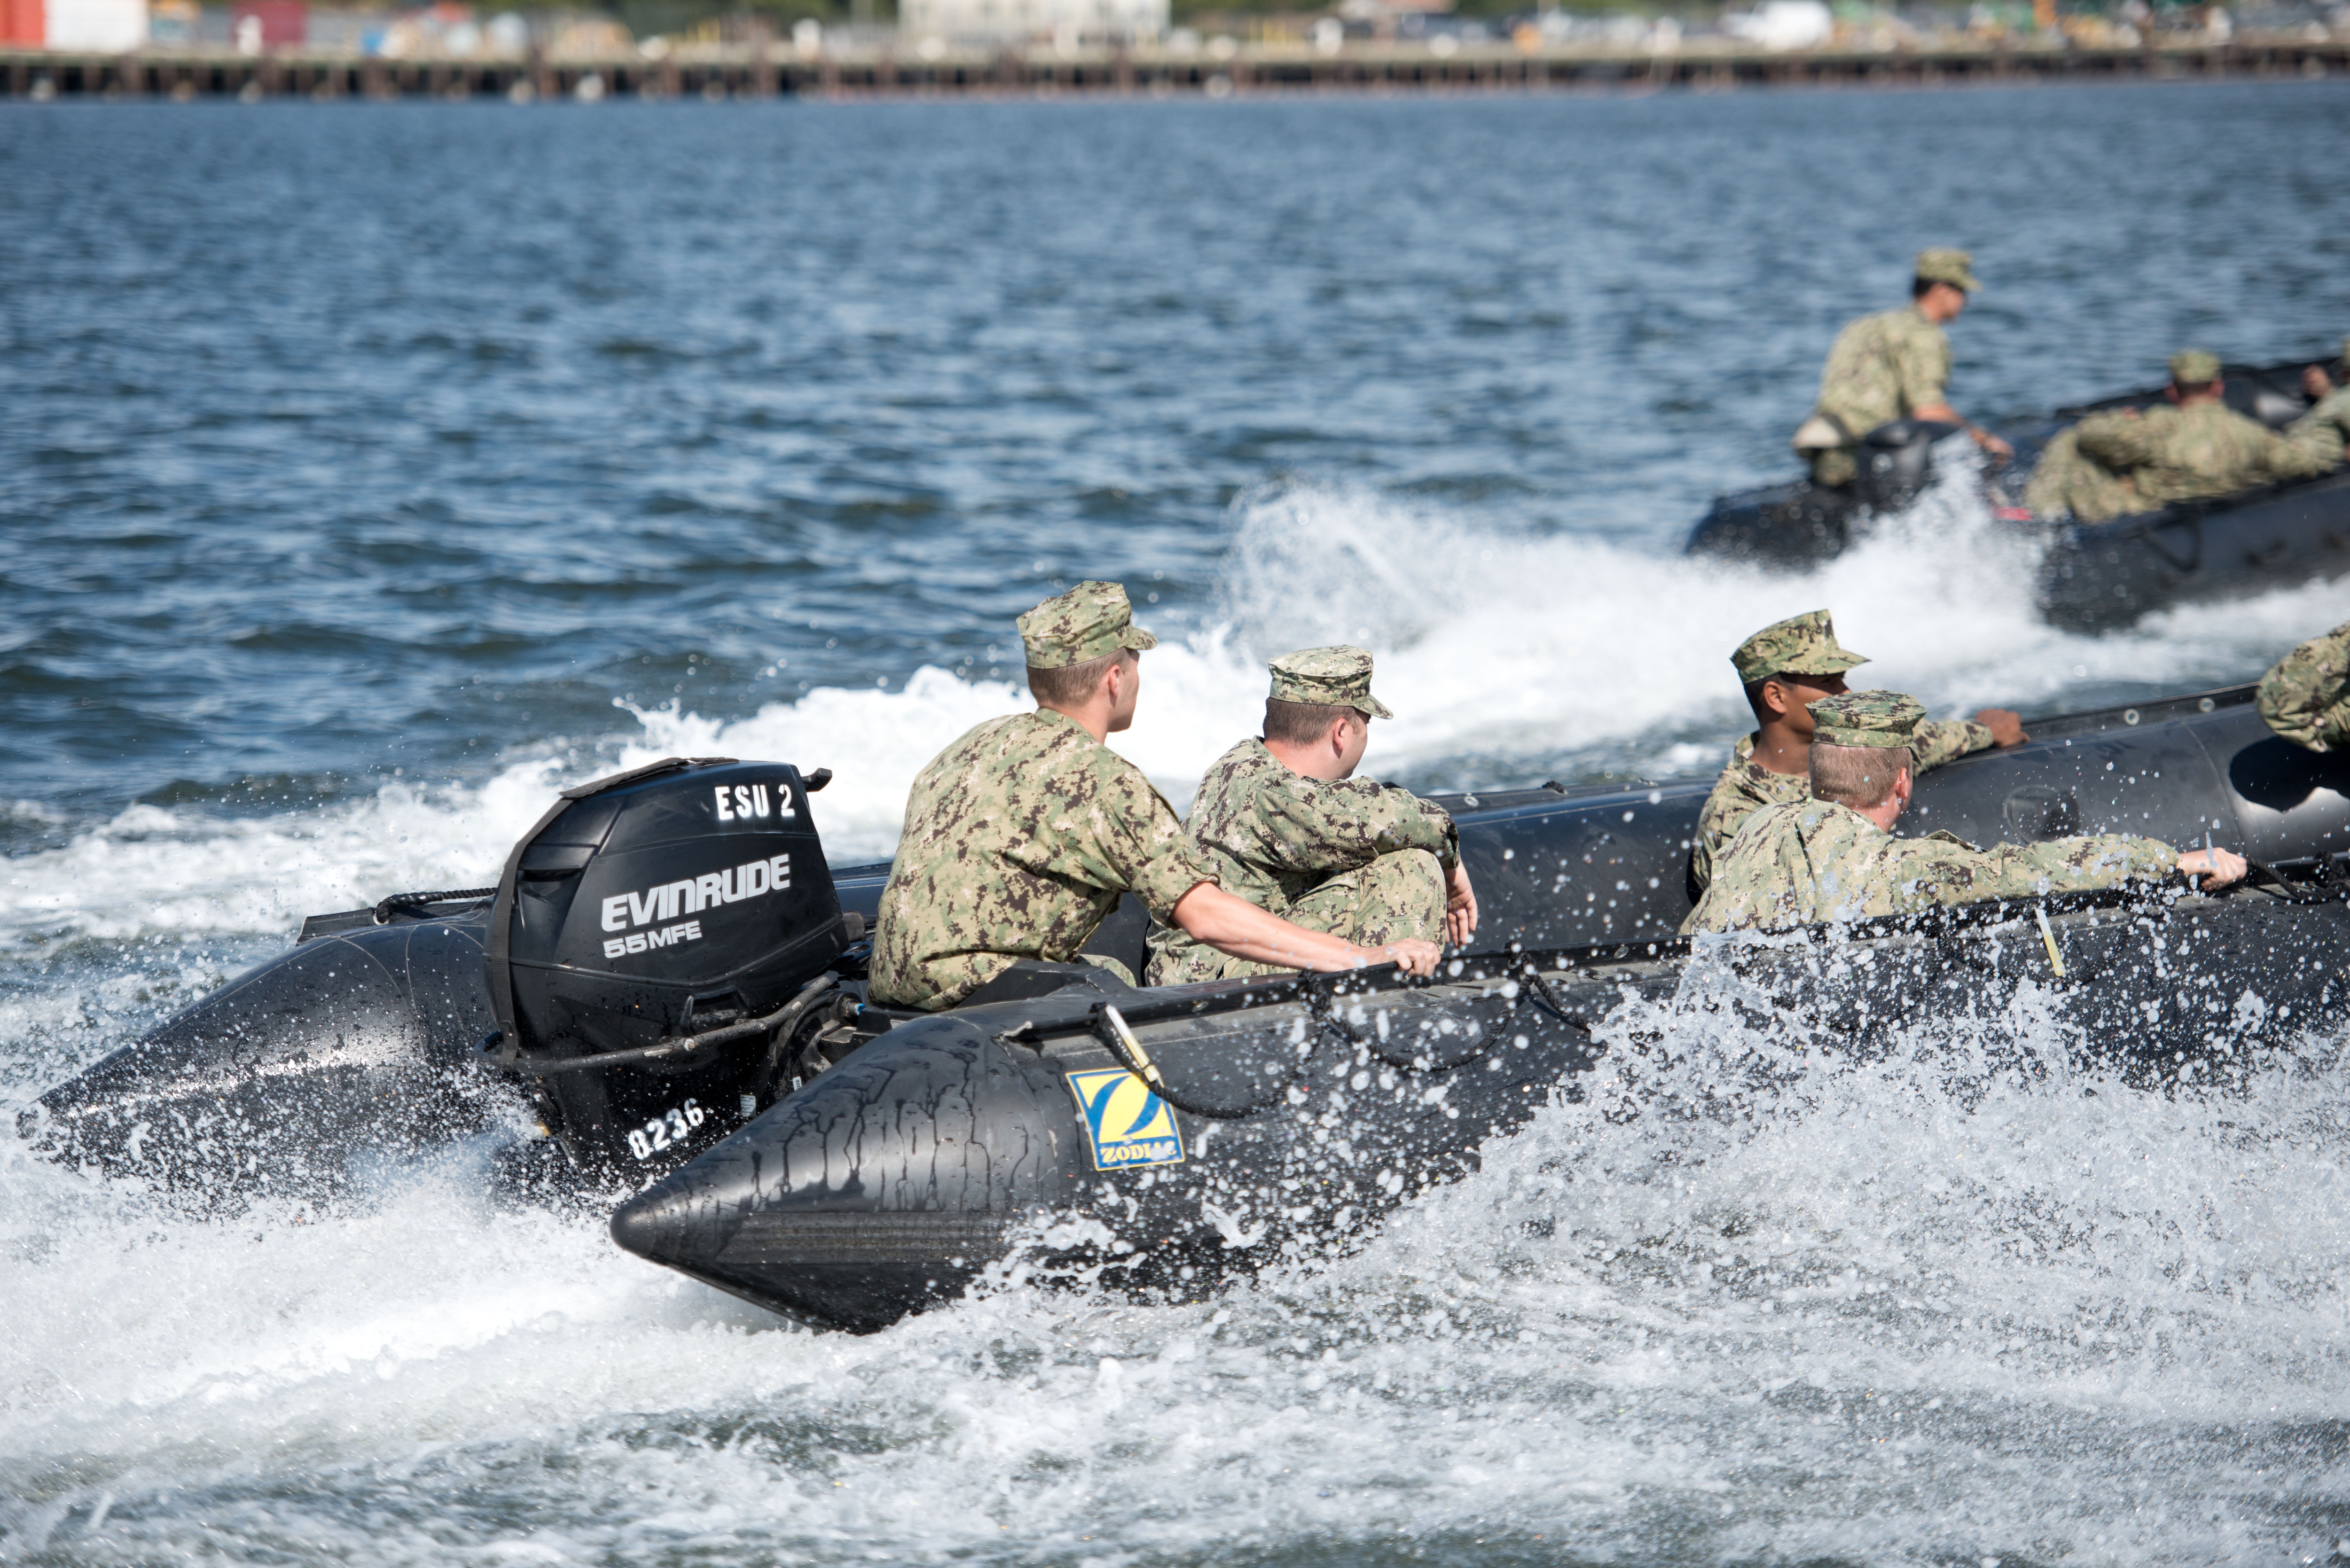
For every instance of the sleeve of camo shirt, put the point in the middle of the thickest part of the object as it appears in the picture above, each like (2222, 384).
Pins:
(1939, 741)
(1921, 358)
(2068, 866)
(1313, 826)
(2119, 441)
(1142, 840)
(2281, 457)
(2320, 433)
(1726, 807)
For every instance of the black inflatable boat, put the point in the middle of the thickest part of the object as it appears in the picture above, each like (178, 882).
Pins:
(663, 994)
(2092, 575)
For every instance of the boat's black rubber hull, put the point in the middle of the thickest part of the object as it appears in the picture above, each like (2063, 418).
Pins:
(346, 1049)
(364, 1046)
(2109, 574)
(907, 1173)
(1793, 525)
(902, 1176)
(363, 1040)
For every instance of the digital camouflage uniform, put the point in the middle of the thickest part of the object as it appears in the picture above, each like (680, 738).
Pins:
(2306, 697)
(1356, 858)
(2173, 452)
(1021, 836)
(2065, 483)
(1881, 367)
(1803, 645)
(1802, 864)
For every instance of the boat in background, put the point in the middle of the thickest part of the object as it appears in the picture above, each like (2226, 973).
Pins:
(2093, 575)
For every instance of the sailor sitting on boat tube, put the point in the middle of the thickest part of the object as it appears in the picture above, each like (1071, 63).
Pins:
(1283, 821)
(1784, 666)
(1021, 836)
(2190, 448)
(1834, 857)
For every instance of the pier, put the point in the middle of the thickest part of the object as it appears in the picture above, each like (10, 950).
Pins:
(1704, 65)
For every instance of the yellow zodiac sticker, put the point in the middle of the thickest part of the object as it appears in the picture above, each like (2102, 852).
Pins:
(1125, 1121)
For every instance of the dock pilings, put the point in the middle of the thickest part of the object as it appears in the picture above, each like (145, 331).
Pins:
(751, 73)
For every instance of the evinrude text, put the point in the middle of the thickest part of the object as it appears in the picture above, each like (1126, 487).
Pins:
(695, 894)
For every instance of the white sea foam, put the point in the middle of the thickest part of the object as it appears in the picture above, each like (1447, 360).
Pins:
(1489, 644)
(1891, 1293)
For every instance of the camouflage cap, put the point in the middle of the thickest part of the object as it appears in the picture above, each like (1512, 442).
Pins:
(1088, 621)
(1866, 719)
(2194, 366)
(1800, 645)
(1330, 677)
(1949, 266)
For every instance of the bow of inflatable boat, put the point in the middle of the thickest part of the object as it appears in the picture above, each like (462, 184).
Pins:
(890, 1181)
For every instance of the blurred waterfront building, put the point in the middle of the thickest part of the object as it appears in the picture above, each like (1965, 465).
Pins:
(1064, 21)
(109, 26)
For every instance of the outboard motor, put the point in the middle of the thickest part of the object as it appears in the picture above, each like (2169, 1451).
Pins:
(651, 936)
(1896, 461)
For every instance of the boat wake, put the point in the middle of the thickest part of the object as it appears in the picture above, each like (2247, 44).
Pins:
(1509, 658)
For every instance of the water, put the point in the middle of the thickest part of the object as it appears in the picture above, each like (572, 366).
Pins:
(368, 472)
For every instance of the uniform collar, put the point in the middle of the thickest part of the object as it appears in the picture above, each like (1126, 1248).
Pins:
(1055, 716)
(1818, 814)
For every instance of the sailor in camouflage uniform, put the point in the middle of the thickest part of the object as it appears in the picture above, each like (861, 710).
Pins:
(1021, 836)
(2189, 449)
(1785, 666)
(1834, 857)
(1891, 366)
(1283, 821)
(2323, 431)
(2066, 484)
(2306, 697)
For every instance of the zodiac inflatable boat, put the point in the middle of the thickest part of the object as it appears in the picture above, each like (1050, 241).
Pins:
(664, 994)
(2092, 575)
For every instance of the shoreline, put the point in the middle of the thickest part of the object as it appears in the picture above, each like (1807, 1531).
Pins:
(1250, 70)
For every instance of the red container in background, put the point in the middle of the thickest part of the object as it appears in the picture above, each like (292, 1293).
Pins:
(283, 21)
(22, 22)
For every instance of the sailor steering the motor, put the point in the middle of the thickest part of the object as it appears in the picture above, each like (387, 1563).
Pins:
(1021, 836)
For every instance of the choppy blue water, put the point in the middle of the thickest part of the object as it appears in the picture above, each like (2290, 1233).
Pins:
(367, 472)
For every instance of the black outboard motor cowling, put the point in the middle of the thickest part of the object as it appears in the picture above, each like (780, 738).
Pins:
(655, 904)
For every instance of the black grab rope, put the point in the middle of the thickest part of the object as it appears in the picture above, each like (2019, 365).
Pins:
(419, 900)
(2323, 887)
(1322, 1002)
(1112, 1030)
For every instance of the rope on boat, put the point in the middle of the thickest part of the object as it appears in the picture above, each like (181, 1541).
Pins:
(419, 900)
(682, 1045)
(1324, 1005)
